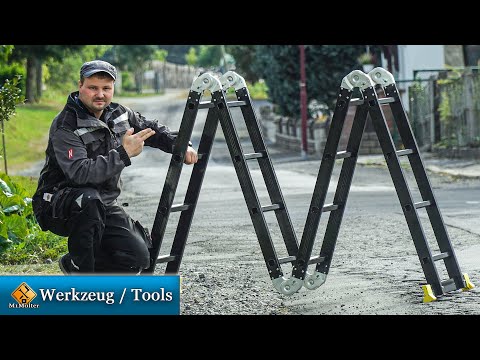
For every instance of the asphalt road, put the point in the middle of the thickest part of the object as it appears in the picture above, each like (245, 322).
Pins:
(375, 268)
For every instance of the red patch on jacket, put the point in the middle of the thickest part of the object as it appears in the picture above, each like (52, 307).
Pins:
(70, 153)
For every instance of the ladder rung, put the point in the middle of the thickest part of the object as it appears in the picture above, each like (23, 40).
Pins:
(404, 152)
(179, 207)
(313, 260)
(209, 104)
(316, 259)
(381, 101)
(440, 256)
(343, 154)
(271, 207)
(356, 101)
(254, 155)
(236, 103)
(165, 258)
(205, 105)
(422, 204)
(286, 259)
(386, 100)
(329, 207)
(449, 285)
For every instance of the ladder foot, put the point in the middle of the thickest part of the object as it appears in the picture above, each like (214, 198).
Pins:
(468, 284)
(428, 295)
(287, 286)
(315, 280)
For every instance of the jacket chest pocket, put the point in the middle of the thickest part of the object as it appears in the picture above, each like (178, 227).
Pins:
(96, 141)
(97, 147)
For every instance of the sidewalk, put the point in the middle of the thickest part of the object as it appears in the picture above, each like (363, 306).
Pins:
(466, 168)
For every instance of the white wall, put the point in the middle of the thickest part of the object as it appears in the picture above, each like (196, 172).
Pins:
(419, 57)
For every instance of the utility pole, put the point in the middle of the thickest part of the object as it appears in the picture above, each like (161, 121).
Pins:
(303, 101)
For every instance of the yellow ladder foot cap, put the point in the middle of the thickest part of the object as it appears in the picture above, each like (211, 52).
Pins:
(428, 295)
(468, 283)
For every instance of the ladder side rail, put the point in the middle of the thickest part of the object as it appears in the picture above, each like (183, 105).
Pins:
(173, 176)
(343, 189)
(246, 183)
(403, 191)
(322, 183)
(424, 186)
(266, 167)
(193, 191)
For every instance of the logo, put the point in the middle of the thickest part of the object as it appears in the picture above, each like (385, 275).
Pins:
(24, 294)
(70, 153)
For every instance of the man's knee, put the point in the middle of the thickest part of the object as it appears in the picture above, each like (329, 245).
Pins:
(90, 202)
(134, 261)
(58, 212)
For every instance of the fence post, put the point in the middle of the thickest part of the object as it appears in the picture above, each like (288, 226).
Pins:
(436, 112)
(469, 115)
(434, 132)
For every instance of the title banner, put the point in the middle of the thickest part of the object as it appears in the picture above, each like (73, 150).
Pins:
(90, 295)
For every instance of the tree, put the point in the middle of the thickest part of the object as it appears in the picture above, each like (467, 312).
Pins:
(63, 74)
(135, 58)
(245, 60)
(176, 53)
(35, 56)
(191, 57)
(326, 65)
(5, 51)
(10, 96)
(209, 56)
(279, 67)
(160, 55)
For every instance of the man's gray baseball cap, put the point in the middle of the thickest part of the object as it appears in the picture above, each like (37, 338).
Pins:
(95, 66)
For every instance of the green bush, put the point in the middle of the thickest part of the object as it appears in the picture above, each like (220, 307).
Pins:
(325, 67)
(128, 81)
(258, 90)
(8, 72)
(21, 239)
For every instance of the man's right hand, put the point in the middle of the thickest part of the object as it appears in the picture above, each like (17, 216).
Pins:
(133, 143)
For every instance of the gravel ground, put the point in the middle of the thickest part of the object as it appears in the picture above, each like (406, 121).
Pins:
(375, 269)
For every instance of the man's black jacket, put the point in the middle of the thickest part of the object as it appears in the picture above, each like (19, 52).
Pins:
(84, 151)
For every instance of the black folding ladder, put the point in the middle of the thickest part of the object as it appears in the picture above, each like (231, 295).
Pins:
(371, 104)
(435, 286)
(219, 111)
(300, 276)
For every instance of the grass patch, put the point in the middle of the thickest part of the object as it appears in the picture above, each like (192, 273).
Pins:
(22, 242)
(29, 183)
(26, 134)
(35, 269)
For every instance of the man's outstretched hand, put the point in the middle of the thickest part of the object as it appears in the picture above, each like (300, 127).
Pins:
(191, 156)
(133, 143)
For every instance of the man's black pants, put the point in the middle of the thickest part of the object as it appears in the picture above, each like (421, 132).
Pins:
(100, 238)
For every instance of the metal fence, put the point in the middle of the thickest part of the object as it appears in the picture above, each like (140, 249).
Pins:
(421, 95)
(444, 111)
(459, 111)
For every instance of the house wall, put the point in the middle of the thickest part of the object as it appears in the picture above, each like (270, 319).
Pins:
(417, 57)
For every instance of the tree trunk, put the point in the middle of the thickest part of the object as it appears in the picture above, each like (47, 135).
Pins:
(39, 77)
(30, 80)
(139, 81)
